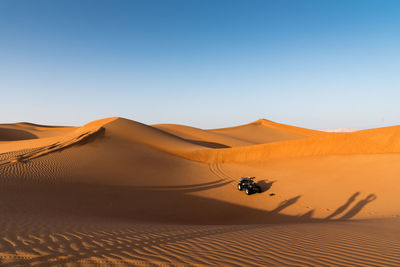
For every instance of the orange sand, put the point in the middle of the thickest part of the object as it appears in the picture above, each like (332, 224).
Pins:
(118, 192)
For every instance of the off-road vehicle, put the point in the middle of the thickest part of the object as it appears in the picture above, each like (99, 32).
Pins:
(248, 185)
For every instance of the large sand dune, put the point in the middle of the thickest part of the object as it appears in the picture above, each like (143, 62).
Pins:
(265, 131)
(116, 191)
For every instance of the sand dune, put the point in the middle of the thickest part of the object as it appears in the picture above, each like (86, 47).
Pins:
(116, 191)
(214, 139)
(376, 141)
(26, 131)
(341, 130)
(265, 131)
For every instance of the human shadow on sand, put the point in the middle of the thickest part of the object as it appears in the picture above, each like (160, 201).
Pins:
(354, 210)
(170, 204)
(152, 204)
(286, 203)
(164, 204)
(342, 208)
(358, 207)
(109, 203)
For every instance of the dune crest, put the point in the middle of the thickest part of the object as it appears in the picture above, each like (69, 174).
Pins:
(117, 191)
(49, 145)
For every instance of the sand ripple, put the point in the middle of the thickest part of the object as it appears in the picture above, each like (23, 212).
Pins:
(66, 243)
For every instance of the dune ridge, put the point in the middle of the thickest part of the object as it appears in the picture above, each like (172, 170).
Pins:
(120, 192)
(266, 131)
(26, 131)
(216, 145)
(376, 141)
(199, 135)
(43, 148)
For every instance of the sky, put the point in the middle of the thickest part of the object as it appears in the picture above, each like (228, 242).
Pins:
(208, 64)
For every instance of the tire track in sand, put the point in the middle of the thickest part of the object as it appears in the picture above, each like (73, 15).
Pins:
(216, 169)
(22, 156)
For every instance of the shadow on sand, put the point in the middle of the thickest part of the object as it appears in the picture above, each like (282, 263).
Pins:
(164, 204)
(284, 204)
(34, 203)
(358, 207)
(172, 204)
(10, 134)
(265, 185)
(342, 208)
(354, 210)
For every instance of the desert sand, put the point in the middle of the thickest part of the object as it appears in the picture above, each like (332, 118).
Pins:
(119, 192)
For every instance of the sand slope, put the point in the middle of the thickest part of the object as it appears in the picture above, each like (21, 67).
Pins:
(213, 139)
(116, 191)
(265, 131)
(376, 141)
(26, 131)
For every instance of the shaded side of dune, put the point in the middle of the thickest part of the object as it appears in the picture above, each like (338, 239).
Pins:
(208, 147)
(199, 135)
(164, 205)
(306, 142)
(10, 134)
(161, 204)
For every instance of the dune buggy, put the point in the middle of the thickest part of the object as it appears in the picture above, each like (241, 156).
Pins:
(248, 185)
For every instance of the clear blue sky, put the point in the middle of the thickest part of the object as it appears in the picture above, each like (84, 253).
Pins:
(317, 64)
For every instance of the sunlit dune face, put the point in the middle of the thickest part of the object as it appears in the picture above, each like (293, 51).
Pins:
(173, 184)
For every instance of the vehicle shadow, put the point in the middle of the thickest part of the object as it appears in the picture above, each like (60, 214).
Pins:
(169, 204)
(174, 204)
(30, 204)
(265, 185)
(44, 209)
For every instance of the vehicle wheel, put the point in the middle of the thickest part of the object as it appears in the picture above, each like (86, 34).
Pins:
(248, 191)
(258, 189)
(240, 187)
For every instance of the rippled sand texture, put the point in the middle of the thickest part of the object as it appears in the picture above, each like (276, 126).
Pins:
(118, 192)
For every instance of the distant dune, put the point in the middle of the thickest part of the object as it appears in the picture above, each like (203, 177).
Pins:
(119, 192)
(341, 130)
